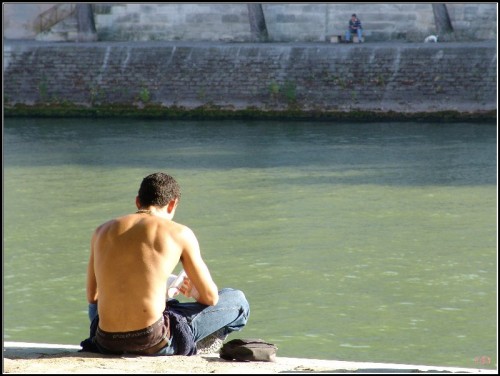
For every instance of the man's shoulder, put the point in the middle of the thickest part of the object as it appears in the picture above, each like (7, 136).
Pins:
(179, 227)
(118, 221)
(105, 224)
(130, 220)
(182, 231)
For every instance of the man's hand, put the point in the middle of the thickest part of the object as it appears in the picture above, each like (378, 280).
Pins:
(186, 288)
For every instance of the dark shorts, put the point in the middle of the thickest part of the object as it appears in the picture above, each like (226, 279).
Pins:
(145, 341)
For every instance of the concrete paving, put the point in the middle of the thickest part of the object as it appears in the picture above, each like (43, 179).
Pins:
(368, 43)
(21, 357)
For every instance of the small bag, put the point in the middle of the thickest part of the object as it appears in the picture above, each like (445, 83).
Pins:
(245, 350)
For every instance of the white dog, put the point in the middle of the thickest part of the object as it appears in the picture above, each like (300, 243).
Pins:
(431, 38)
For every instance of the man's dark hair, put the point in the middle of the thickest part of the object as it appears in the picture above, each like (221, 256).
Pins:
(158, 189)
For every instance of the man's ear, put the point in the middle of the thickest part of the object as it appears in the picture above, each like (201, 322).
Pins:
(172, 205)
(137, 202)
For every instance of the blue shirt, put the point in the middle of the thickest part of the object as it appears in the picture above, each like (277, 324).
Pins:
(354, 25)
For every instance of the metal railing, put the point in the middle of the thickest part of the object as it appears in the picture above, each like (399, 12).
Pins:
(44, 21)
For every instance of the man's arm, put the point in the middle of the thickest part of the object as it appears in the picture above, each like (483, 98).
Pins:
(197, 271)
(91, 279)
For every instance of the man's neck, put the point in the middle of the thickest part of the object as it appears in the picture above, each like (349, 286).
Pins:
(153, 210)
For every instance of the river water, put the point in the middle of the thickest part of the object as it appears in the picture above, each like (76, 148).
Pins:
(368, 242)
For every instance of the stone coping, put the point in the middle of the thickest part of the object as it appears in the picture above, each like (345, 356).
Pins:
(23, 357)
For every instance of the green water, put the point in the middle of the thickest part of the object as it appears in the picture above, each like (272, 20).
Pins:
(361, 242)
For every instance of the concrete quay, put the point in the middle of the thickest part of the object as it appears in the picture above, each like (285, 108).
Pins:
(22, 357)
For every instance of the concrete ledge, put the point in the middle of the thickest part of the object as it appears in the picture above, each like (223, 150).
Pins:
(22, 357)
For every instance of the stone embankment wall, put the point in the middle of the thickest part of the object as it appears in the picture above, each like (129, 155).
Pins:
(316, 78)
(286, 22)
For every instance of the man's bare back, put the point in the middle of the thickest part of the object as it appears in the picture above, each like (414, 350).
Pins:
(131, 259)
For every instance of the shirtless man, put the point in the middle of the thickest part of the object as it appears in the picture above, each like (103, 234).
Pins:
(131, 258)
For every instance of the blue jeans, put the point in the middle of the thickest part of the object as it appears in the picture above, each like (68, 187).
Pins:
(348, 34)
(92, 311)
(230, 314)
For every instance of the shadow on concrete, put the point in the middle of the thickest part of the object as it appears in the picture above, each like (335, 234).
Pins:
(52, 353)
(38, 352)
(376, 370)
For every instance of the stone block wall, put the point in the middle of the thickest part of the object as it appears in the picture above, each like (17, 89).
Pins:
(270, 77)
(289, 22)
(172, 22)
(286, 22)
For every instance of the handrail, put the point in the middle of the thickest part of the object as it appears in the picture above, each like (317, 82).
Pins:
(45, 20)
